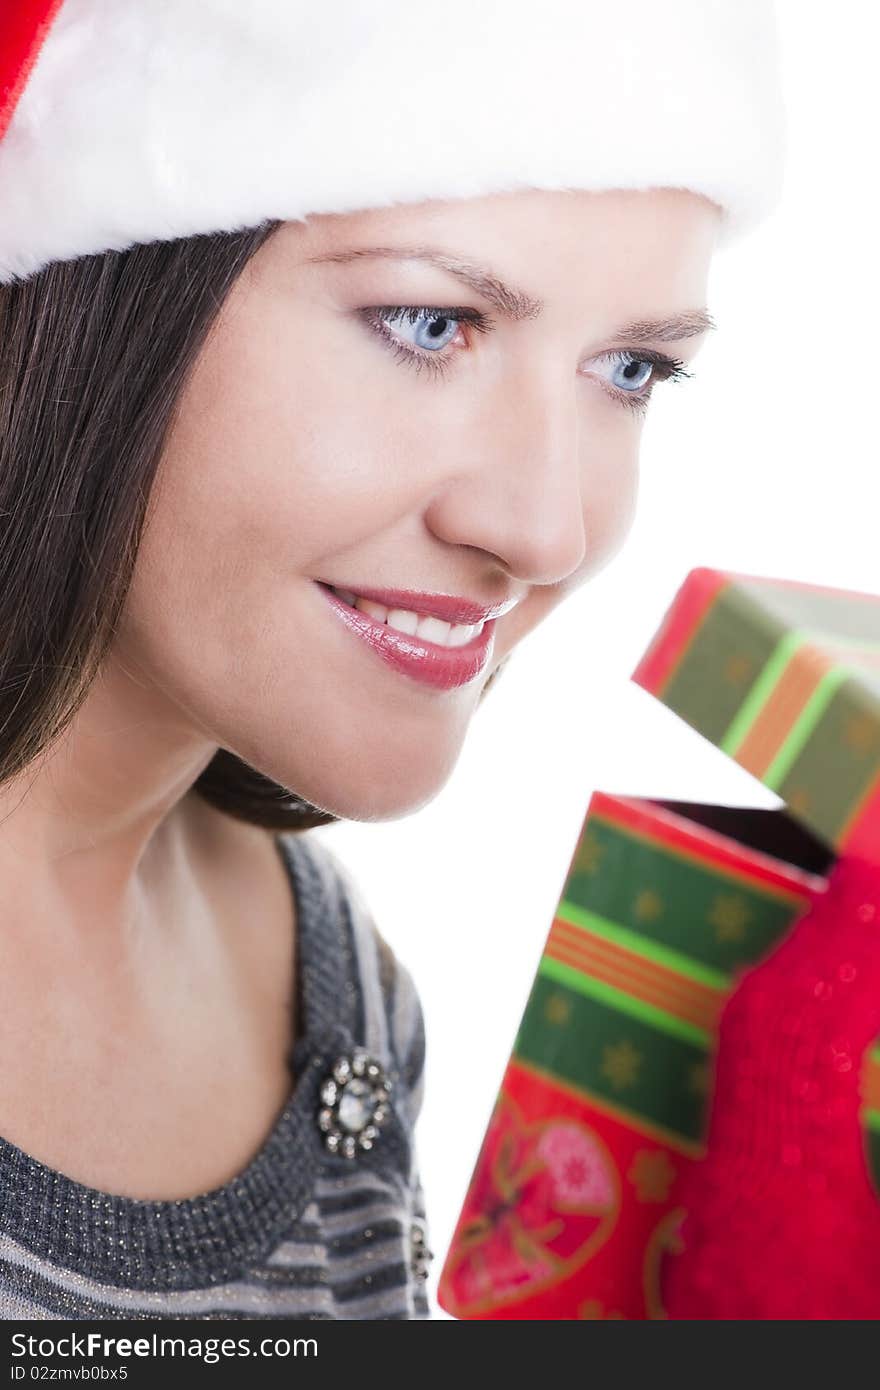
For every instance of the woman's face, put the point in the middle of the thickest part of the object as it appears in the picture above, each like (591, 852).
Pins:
(484, 448)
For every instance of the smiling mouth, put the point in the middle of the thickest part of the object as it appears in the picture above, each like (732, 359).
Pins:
(424, 626)
(432, 652)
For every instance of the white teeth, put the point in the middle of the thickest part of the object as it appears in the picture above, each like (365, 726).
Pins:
(434, 630)
(430, 629)
(403, 620)
(375, 610)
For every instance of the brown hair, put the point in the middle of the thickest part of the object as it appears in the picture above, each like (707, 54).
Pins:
(94, 353)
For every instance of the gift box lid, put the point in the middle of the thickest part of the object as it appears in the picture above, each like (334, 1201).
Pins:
(784, 677)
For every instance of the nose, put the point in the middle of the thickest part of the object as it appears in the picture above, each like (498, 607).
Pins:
(515, 486)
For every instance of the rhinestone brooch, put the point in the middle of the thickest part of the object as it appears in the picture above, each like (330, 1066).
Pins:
(354, 1103)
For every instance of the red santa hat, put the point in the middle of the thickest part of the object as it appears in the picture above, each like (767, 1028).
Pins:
(125, 121)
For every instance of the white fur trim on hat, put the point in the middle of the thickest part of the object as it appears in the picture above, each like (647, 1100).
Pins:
(143, 120)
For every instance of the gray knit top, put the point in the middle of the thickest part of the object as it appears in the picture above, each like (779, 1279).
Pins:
(300, 1233)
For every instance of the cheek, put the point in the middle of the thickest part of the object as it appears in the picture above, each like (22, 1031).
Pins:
(263, 472)
(610, 490)
(288, 449)
(270, 474)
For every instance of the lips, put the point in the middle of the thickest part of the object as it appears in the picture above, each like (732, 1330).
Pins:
(432, 665)
(449, 607)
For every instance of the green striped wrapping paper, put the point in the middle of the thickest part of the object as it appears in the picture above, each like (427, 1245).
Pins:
(658, 917)
(785, 677)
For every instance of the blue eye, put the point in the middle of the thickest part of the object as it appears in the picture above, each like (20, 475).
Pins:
(419, 333)
(631, 373)
(431, 329)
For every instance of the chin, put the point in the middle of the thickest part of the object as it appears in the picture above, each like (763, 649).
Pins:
(357, 765)
(380, 791)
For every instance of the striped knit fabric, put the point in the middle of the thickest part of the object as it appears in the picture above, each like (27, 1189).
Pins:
(300, 1233)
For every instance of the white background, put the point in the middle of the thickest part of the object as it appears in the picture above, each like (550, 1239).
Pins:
(766, 463)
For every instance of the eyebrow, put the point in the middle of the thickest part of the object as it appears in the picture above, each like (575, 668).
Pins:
(514, 303)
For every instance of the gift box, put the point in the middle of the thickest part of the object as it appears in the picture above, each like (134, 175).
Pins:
(667, 1091)
(785, 678)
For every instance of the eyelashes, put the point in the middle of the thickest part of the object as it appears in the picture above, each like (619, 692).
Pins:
(436, 362)
(664, 368)
(382, 317)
